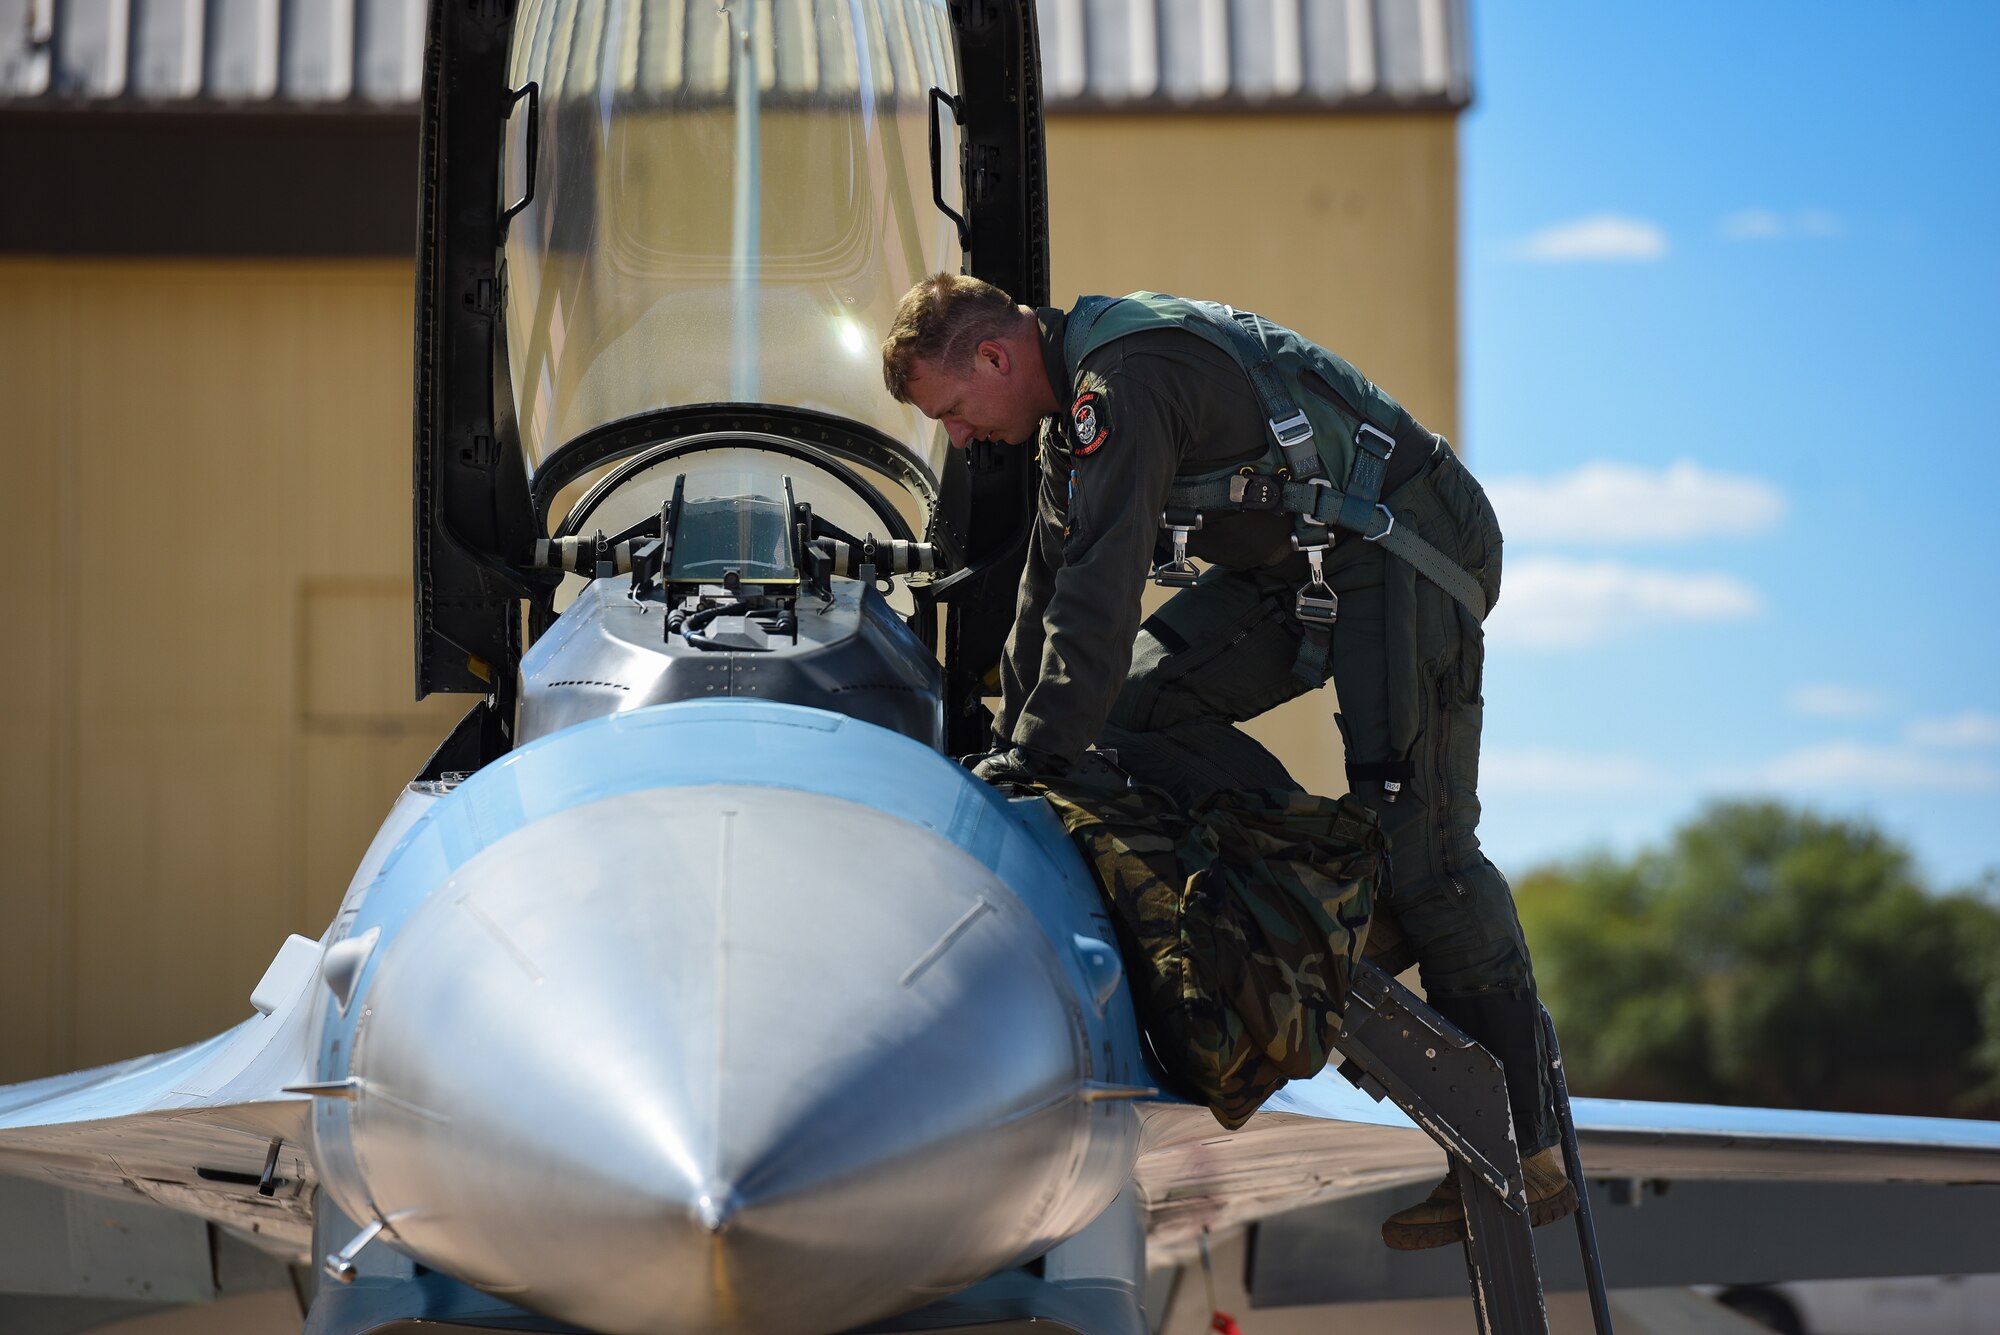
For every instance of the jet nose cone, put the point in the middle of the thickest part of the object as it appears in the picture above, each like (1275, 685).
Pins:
(716, 1207)
(719, 1059)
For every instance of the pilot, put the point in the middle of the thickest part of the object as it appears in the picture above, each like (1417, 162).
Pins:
(1140, 404)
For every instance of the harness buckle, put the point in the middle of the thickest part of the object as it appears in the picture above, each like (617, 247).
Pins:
(1316, 609)
(1294, 430)
(1388, 441)
(1257, 491)
(1180, 572)
(1316, 603)
(1387, 528)
(1312, 516)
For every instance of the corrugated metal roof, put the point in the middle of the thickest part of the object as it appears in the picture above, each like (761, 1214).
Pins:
(1167, 54)
(661, 49)
(1139, 55)
(172, 53)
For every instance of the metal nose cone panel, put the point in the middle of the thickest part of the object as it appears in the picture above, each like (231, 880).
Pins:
(719, 1059)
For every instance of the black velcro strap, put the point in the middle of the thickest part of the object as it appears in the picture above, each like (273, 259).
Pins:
(1170, 639)
(1381, 771)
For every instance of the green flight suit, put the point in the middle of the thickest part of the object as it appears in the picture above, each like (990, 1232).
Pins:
(1406, 659)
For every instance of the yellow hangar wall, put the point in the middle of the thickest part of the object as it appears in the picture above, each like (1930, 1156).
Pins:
(1344, 227)
(207, 682)
(207, 678)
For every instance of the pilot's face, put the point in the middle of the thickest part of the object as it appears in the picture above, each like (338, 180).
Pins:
(990, 400)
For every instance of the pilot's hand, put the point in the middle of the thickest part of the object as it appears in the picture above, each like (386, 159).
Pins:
(1016, 765)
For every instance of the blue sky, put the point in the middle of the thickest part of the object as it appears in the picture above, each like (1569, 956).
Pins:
(1731, 282)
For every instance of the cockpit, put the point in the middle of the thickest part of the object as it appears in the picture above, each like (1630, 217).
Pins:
(687, 466)
(734, 588)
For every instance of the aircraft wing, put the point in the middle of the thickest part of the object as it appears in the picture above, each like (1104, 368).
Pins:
(190, 1129)
(1322, 1139)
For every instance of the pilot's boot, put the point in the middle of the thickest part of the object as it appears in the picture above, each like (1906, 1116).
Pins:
(1438, 1220)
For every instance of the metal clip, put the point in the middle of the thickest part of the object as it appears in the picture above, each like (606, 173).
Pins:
(1316, 603)
(1361, 439)
(1180, 572)
(1294, 430)
(1387, 528)
(1312, 516)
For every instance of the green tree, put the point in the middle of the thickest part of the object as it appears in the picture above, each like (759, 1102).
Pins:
(1769, 955)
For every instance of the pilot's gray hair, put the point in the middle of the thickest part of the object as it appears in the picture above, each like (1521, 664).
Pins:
(941, 321)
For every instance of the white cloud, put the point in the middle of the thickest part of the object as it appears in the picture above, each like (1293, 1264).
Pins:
(1866, 767)
(1616, 504)
(1969, 729)
(1761, 224)
(1831, 700)
(1553, 602)
(1753, 225)
(1597, 238)
(1549, 771)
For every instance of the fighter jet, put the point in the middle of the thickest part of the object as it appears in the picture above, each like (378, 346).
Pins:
(693, 986)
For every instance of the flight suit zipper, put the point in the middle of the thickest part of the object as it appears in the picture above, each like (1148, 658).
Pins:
(1443, 812)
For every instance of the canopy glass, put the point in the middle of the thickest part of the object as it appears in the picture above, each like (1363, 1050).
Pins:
(728, 199)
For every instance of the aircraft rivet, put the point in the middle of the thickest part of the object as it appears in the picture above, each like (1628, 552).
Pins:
(1431, 1053)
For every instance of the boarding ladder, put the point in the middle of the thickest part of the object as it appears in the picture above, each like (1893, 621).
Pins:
(1396, 1047)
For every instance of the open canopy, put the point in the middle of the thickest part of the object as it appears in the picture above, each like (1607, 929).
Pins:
(654, 230)
(726, 204)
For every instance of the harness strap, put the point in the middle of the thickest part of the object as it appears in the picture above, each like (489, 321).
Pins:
(1372, 449)
(1210, 493)
(1308, 494)
(1076, 334)
(1290, 429)
(1436, 567)
(1325, 505)
(1315, 649)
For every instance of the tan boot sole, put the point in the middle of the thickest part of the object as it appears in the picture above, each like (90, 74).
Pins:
(1549, 1209)
(1422, 1237)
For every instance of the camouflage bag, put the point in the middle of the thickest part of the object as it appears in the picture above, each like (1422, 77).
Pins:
(1239, 921)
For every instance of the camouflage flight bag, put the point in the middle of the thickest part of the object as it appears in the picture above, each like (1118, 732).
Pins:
(1239, 921)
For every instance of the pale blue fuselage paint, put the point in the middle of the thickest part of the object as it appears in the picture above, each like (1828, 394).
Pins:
(735, 742)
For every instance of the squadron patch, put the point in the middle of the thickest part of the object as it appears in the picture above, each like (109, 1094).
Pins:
(1089, 422)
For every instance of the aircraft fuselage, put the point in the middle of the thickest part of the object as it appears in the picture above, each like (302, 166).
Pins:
(723, 1015)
